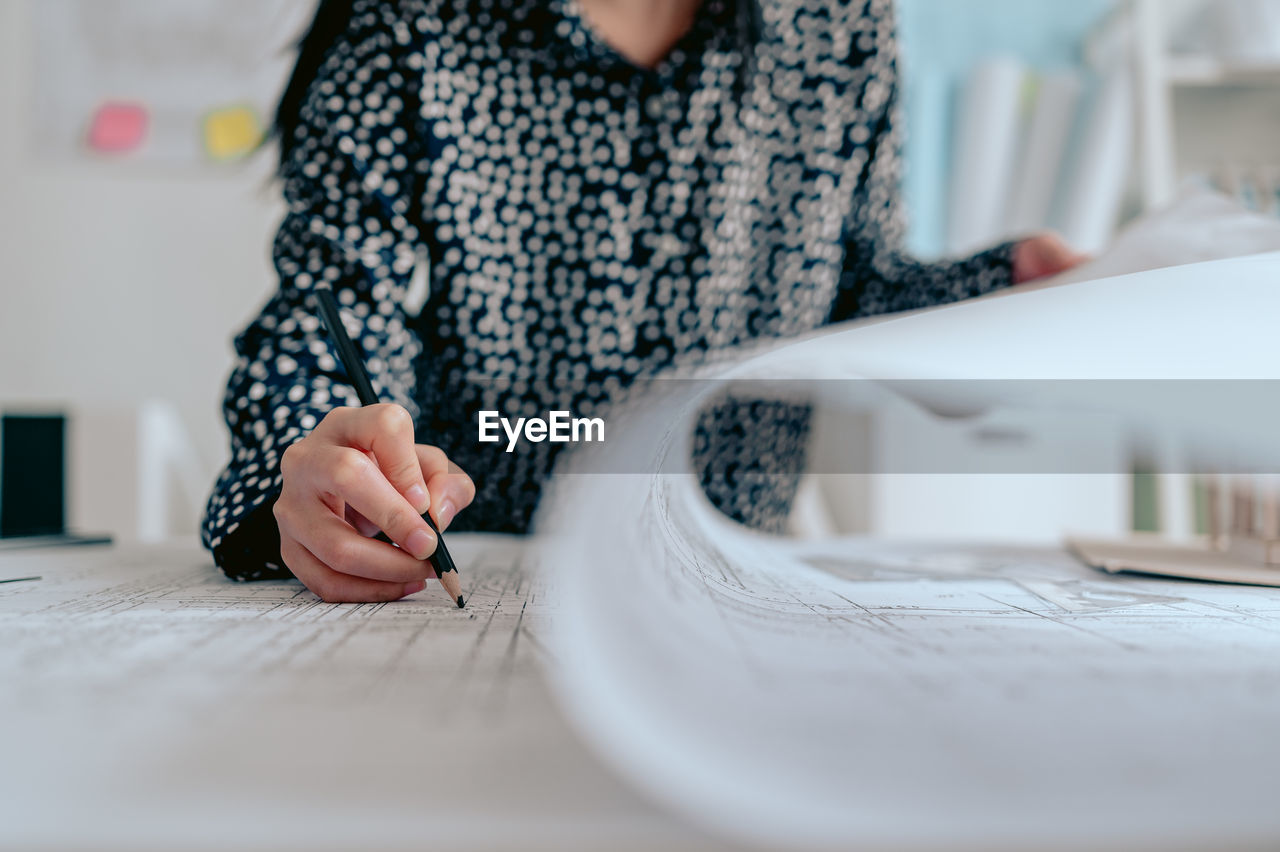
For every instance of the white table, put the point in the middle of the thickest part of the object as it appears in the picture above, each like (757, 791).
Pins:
(149, 703)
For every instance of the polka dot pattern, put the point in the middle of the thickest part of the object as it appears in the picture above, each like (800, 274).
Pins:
(586, 222)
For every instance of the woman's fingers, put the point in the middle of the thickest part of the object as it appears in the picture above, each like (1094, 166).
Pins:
(363, 525)
(356, 474)
(1043, 255)
(358, 481)
(451, 490)
(387, 432)
(336, 544)
(335, 587)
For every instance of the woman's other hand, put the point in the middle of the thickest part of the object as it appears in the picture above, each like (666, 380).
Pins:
(1041, 256)
(359, 472)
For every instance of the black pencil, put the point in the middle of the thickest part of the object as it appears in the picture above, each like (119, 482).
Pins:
(441, 561)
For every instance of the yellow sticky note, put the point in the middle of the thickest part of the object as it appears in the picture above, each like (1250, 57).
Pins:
(232, 132)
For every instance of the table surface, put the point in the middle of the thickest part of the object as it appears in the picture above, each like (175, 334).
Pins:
(150, 703)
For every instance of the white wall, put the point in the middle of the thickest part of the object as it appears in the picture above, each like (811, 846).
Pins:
(121, 284)
(995, 477)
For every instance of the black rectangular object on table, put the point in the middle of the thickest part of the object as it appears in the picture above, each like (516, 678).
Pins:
(33, 475)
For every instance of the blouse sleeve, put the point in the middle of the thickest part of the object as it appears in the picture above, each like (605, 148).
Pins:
(348, 186)
(878, 276)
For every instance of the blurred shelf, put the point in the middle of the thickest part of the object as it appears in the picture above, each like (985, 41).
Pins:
(1186, 101)
(1184, 70)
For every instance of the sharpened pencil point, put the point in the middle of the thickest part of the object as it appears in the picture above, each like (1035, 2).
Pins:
(449, 579)
(461, 602)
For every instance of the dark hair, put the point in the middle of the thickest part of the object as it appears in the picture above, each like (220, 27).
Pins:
(332, 19)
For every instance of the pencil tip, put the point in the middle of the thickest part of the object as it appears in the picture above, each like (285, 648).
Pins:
(461, 602)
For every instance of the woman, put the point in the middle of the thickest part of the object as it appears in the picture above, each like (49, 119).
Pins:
(602, 187)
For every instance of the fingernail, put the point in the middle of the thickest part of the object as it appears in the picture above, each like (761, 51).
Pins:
(414, 588)
(447, 511)
(420, 543)
(418, 498)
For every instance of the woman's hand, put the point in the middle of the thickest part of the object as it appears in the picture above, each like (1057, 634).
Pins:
(1041, 256)
(359, 472)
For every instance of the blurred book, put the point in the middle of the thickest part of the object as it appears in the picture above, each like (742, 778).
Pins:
(1050, 121)
(988, 130)
(1097, 177)
(1033, 152)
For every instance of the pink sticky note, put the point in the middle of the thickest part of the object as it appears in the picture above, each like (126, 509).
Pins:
(118, 128)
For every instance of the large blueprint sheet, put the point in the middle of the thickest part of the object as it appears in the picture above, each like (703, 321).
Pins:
(843, 693)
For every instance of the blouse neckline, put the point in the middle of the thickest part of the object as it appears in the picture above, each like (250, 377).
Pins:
(710, 19)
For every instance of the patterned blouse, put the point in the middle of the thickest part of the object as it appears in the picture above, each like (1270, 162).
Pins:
(586, 222)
